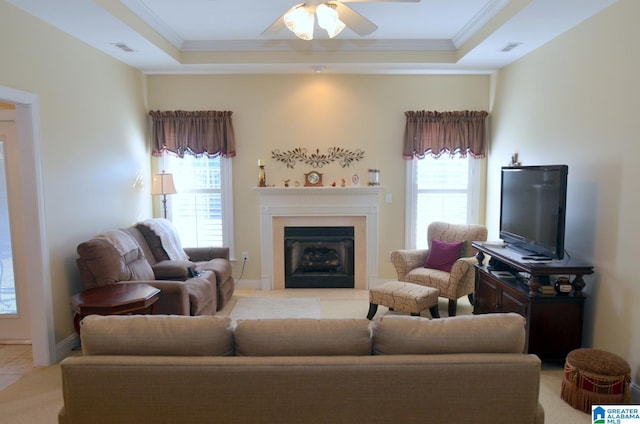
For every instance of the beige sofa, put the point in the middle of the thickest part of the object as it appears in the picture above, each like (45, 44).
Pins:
(176, 369)
(193, 281)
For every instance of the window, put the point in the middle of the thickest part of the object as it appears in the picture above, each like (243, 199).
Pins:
(202, 208)
(440, 189)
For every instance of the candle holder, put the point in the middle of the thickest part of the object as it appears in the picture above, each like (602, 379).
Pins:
(374, 177)
(262, 177)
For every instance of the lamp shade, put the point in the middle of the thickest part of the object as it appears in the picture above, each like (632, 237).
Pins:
(300, 20)
(162, 184)
(328, 19)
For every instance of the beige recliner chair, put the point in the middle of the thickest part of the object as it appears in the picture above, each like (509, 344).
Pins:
(460, 279)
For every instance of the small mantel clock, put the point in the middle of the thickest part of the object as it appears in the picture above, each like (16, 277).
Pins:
(313, 179)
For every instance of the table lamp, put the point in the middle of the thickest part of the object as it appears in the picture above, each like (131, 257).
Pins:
(163, 184)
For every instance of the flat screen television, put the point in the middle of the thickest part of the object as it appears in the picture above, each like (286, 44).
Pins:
(533, 210)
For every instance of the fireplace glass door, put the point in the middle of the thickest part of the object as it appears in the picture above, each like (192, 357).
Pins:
(319, 257)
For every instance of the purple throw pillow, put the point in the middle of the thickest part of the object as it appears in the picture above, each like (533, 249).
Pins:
(443, 255)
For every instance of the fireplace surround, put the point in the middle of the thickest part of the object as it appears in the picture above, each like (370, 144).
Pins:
(355, 207)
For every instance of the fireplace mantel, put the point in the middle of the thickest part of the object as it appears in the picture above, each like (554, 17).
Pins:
(318, 206)
(320, 191)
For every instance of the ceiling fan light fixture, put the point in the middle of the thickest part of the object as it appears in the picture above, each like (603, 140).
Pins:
(300, 20)
(329, 20)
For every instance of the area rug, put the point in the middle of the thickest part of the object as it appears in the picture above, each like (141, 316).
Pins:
(261, 308)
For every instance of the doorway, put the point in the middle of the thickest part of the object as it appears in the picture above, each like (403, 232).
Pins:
(14, 310)
(32, 228)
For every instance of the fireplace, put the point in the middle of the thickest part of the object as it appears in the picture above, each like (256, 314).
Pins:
(320, 207)
(319, 257)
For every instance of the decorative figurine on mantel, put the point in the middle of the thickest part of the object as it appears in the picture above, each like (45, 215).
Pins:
(374, 177)
(262, 177)
(514, 160)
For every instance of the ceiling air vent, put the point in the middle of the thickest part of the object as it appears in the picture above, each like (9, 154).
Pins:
(510, 46)
(123, 47)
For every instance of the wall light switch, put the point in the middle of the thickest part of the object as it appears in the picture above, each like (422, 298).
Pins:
(388, 198)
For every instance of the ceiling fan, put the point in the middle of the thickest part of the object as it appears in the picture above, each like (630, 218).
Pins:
(333, 16)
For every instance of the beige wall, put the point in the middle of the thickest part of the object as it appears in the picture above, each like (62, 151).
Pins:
(575, 101)
(317, 112)
(92, 123)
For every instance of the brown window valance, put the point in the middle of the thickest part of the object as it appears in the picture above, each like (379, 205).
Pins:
(199, 133)
(435, 133)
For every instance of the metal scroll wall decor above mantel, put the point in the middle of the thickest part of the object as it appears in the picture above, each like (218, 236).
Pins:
(317, 160)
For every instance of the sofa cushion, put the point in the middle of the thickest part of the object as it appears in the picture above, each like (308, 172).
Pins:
(156, 335)
(303, 337)
(114, 256)
(220, 267)
(490, 333)
(173, 270)
(142, 242)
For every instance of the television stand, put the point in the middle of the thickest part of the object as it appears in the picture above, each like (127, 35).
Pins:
(509, 283)
(538, 269)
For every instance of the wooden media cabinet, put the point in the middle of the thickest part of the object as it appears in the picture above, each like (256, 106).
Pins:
(509, 284)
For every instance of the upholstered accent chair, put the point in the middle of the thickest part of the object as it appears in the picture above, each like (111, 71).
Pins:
(459, 280)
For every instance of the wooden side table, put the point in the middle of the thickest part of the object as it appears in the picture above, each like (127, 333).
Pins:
(114, 299)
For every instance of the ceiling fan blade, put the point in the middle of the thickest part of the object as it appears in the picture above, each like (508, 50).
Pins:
(355, 21)
(277, 26)
(380, 1)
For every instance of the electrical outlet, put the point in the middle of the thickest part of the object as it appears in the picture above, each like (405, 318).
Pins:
(245, 256)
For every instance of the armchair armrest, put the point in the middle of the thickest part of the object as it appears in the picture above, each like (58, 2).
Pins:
(462, 277)
(203, 254)
(406, 260)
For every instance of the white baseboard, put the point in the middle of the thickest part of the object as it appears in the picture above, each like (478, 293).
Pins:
(249, 284)
(380, 282)
(66, 346)
(635, 393)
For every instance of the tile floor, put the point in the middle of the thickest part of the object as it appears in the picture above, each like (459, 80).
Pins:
(15, 361)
